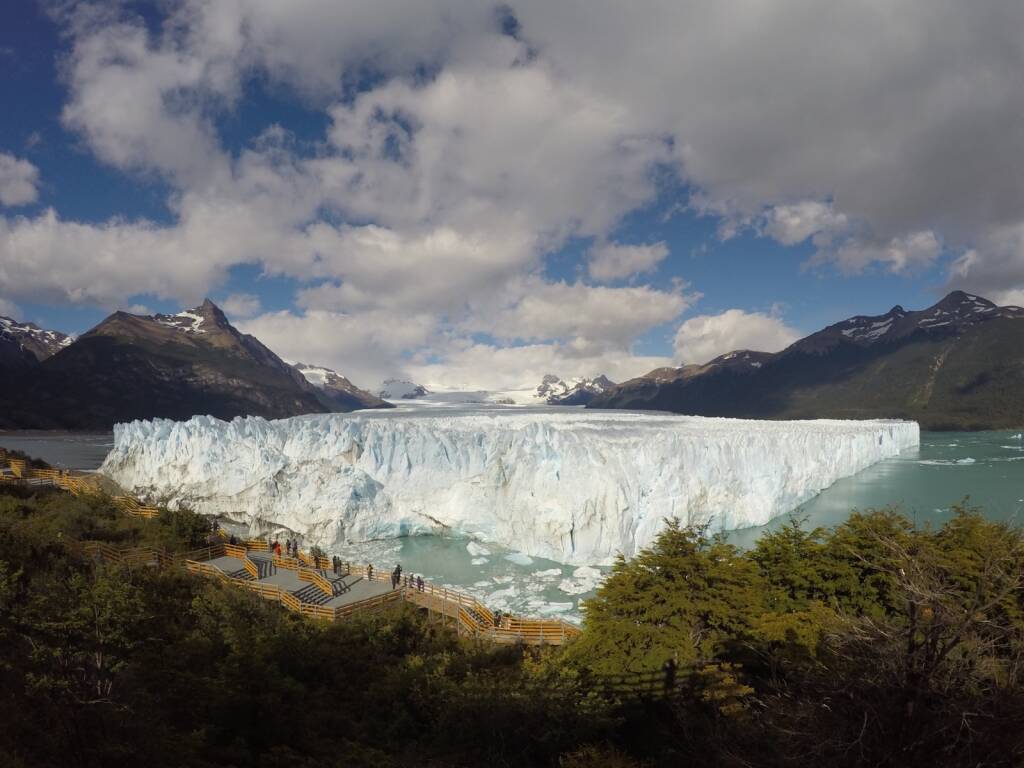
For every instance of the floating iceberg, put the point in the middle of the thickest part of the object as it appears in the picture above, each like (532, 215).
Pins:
(572, 486)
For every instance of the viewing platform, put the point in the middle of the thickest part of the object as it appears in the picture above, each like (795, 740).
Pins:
(303, 584)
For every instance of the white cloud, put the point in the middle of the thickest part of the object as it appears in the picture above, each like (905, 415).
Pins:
(901, 254)
(913, 129)
(366, 347)
(9, 309)
(239, 306)
(995, 268)
(794, 223)
(1014, 298)
(455, 184)
(49, 259)
(615, 261)
(490, 367)
(705, 337)
(19, 181)
(612, 316)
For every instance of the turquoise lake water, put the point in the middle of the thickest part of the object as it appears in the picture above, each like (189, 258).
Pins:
(925, 483)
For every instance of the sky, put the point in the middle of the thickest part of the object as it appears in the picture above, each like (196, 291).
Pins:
(471, 195)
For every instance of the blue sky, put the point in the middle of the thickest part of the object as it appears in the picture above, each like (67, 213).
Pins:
(417, 192)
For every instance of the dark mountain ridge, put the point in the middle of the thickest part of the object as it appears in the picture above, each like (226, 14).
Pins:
(171, 366)
(958, 364)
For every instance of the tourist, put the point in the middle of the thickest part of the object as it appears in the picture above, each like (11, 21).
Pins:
(419, 583)
(398, 575)
(334, 563)
(232, 540)
(497, 618)
(369, 571)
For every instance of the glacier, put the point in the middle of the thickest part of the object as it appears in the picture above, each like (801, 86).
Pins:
(574, 486)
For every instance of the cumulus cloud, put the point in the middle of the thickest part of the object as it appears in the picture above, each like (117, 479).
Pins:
(562, 310)
(241, 305)
(19, 181)
(915, 130)
(900, 254)
(490, 367)
(439, 189)
(366, 347)
(615, 261)
(9, 309)
(705, 337)
(794, 223)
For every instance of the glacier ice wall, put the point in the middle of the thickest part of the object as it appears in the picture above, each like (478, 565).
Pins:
(574, 486)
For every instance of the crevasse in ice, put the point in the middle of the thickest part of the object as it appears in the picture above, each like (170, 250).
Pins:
(574, 486)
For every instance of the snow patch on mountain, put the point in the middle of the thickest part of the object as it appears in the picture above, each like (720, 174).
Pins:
(188, 322)
(570, 485)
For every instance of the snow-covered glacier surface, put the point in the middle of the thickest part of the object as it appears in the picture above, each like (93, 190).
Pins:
(573, 486)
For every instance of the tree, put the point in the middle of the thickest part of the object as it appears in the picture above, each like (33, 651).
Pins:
(683, 599)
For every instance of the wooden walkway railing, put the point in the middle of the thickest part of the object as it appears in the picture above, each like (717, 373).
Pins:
(469, 615)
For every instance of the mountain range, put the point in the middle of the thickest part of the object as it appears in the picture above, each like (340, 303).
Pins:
(141, 367)
(24, 344)
(399, 389)
(958, 364)
(577, 391)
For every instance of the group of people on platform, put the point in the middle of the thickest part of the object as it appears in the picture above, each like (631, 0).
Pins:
(291, 549)
(396, 578)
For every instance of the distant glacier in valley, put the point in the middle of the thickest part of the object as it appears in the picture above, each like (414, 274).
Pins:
(573, 486)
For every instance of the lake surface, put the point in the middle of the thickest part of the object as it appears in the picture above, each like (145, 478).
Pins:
(67, 450)
(925, 483)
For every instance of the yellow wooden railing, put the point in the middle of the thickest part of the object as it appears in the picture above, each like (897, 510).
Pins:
(470, 615)
(133, 508)
(313, 577)
(235, 550)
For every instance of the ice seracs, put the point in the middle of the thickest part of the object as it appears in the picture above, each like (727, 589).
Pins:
(569, 485)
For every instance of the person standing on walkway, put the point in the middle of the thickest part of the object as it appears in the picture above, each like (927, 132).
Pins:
(369, 571)
(419, 583)
(398, 575)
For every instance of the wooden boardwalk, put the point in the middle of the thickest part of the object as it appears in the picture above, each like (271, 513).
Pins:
(302, 584)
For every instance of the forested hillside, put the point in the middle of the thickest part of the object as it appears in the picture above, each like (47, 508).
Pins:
(873, 644)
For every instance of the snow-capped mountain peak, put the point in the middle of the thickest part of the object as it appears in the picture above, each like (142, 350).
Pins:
(400, 389)
(338, 390)
(40, 342)
(576, 391)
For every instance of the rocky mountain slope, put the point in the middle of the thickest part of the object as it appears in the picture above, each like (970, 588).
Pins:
(23, 344)
(139, 367)
(956, 365)
(339, 393)
(577, 391)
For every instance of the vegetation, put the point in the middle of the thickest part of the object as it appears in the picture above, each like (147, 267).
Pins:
(871, 644)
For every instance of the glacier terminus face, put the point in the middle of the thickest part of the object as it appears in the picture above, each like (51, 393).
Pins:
(572, 485)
